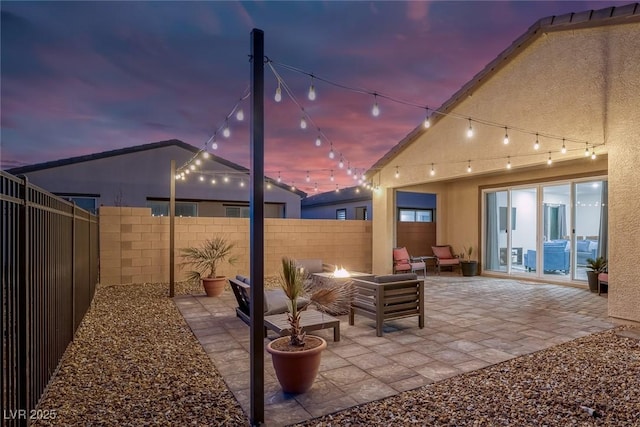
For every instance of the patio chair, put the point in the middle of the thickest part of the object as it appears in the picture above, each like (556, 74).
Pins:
(404, 263)
(445, 258)
(275, 301)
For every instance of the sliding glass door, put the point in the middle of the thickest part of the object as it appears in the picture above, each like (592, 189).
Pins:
(547, 230)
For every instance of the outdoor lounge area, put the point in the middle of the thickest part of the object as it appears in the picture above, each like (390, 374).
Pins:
(470, 324)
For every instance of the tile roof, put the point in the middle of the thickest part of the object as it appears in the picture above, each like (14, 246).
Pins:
(613, 15)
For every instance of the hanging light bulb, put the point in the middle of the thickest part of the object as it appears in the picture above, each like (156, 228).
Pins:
(293, 186)
(315, 188)
(509, 162)
(242, 183)
(397, 173)
(187, 171)
(279, 178)
(349, 168)
(341, 162)
(226, 132)
(427, 123)
(332, 154)
(226, 178)
(198, 162)
(268, 185)
(506, 136)
(178, 176)
(337, 188)
(308, 177)
(586, 151)
(469, 166)
(312, 91)
(375, 111)
(278, 96)
(536, 145)
(318, 141)
(355, 174)
(201, 178)
(331, 177)
(214, 145)
(213, 181)
(240, 115)
(549, 161)
(433, 171)
(303, 122)
(357, 190)
(469, 130)
(563, 150)
(205, 154)
(192, 167)
(593, 154)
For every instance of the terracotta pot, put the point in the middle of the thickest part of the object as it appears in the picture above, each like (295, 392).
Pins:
(214, 286)
(296, 370)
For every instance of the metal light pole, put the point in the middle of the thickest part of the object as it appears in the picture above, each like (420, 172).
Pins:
(256, 228)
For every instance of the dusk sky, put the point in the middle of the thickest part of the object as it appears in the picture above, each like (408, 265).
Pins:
(85, 77)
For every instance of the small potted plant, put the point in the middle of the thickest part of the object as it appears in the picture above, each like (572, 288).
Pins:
(205, 261)
(296, 358)
(468, 266)
(595, 267)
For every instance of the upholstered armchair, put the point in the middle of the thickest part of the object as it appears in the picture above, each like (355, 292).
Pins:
(445, 257)
(404, 263)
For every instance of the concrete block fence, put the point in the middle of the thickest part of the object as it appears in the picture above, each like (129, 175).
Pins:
(134, 246)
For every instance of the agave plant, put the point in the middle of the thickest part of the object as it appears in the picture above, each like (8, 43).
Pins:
(295, 283)
(598, 265)
(206, 259)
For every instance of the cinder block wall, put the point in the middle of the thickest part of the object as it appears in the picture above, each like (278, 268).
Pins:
(134, 246)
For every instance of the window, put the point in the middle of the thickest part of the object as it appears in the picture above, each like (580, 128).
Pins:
(237, 211)
(361, 213)
(415, 215)
(161, 208)
(341, 214)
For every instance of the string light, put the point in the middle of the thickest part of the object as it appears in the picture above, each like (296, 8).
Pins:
(308, 177)
(349, 168)
(241, 183)
(226, 178)
(469, 166)
(337, 188)
(509, 162)
(397, 173)
(192, 167)
(278, 96)
(279, 178)
(341, 162)
(470, 130)
(214, 144)
(293, 186)
(303, 123)
(375, 111)
(331, 177)
(427, 123)
(586, 150)
(593, 154)
(318, 141)
(549, 161)
(226, 132)
(316, 187)
(268, 185)
(198, 162)
(213, 181)
(312, 91)
(331, 152)
(536, 145)
(205, 154)
(433, 171)
(506, 136)
(240, 114)
(563, 150)
(201, 178)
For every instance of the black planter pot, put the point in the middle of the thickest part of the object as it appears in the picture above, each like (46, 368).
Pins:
(592, 277)
(469, 268)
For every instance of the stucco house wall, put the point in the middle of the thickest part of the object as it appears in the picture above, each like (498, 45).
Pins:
(576, 80)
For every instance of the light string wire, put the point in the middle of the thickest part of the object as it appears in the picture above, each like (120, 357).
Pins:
(428, 109)
(338, 154)
(222, 125)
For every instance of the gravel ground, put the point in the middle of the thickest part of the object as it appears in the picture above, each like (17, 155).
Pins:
(135, 362)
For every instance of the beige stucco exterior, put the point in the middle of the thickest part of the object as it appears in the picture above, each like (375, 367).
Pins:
(580, 83)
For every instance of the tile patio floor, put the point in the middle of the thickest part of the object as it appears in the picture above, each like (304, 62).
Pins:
(470, 323)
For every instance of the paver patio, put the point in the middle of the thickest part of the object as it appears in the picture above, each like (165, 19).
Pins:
(470, 323)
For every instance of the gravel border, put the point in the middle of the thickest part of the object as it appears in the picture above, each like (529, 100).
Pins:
(134, 361)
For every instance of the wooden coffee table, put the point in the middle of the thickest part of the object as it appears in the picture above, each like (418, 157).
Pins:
(310, 320)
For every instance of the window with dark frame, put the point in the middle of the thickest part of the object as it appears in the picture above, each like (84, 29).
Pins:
(415, 215)
(341, 214)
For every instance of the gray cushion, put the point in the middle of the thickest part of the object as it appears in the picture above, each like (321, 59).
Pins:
(395, 277)
(311, 265)
(243, 279)
(276, 302)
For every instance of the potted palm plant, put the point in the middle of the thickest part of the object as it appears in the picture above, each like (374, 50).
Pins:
(595, 267)
(468, 266)
(296, 358)
(205, 261)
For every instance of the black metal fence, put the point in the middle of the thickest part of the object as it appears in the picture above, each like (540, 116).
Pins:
(49, 273)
